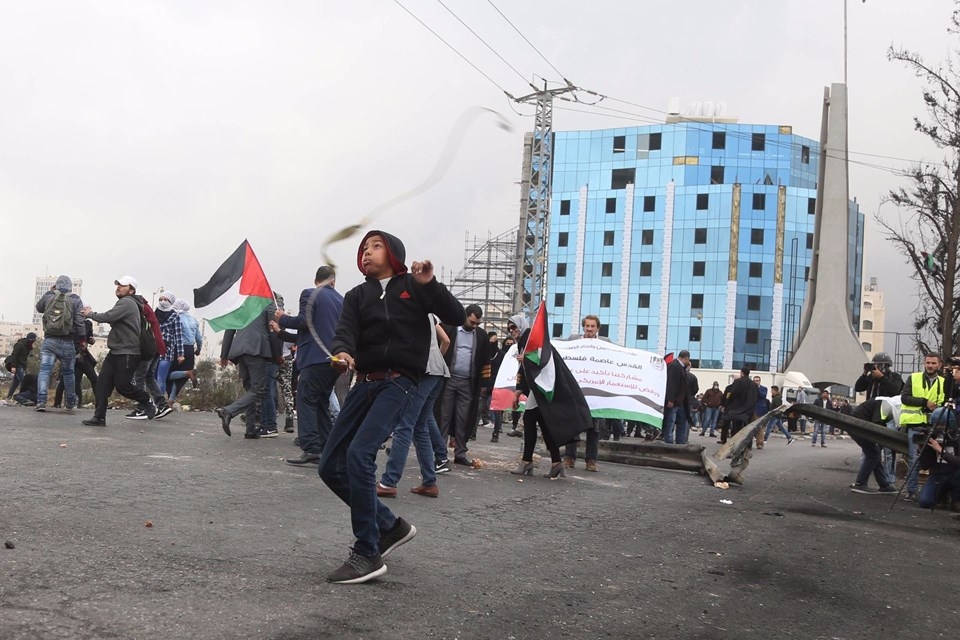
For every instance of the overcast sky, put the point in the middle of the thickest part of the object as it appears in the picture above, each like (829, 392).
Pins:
(151, 138)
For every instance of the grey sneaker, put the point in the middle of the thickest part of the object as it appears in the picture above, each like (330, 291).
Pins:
(401, 533)
(358, 569)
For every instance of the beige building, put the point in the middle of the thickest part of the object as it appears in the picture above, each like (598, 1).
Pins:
(43, 285)
(10, 332)
(872, 318)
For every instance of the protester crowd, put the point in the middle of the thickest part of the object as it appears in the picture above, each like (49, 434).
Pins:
(399, 358)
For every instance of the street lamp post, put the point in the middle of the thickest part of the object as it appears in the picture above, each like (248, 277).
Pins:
(700, 342)
(153, 300)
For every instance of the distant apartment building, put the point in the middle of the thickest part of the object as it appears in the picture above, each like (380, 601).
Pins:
(872, 319)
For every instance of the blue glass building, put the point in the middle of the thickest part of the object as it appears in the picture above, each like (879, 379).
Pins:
(688, 235)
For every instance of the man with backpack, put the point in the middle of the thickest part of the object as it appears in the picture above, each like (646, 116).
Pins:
(125, 352)
(63, 329)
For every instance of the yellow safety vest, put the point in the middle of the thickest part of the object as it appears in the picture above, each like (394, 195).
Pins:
(916, 415)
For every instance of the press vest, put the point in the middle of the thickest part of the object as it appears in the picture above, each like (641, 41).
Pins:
(916, 415)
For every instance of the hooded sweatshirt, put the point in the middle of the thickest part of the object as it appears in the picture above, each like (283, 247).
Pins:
(386, 328)
(65, 285)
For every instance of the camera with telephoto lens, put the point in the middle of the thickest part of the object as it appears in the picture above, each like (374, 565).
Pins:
(946, 430)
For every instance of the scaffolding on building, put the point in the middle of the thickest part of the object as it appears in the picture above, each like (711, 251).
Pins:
(488, 277)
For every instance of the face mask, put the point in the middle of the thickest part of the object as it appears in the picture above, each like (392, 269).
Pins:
(165, 305)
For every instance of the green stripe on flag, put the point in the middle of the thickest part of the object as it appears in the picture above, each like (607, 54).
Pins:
(242, 316)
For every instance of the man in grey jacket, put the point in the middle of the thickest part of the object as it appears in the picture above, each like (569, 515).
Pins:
(125, 320)
(60, 343)
(251, 349)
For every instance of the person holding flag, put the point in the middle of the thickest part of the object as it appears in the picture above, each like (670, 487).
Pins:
(555, 401)
(238, 299)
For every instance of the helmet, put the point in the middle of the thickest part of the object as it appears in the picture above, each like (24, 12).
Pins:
(883, 358)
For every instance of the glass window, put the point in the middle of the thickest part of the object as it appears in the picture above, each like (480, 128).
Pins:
(564, 207)
(811, 206)
(620, 178)
(649, 203)
(716, 175)
(700, 235)
(562, 270)
(719, 140)
(703, 201)
(756, 236)
(559, 299)
(759, 142)
(604, 300)
(868, 325)
(646, 268)
(696, 301)
(809, 241)
(756, 269)
(694, 334)
(655, 139)
(557, 330)
(753, 303)
(805, 154)
(619, 144)
(646, 236)
(611, 205)
(641, 332)
(643, 301)
(759, 201)
(606, 269)
(562, 238)
(866, 346)
(699, 268)
(608, 238)
(753, 336)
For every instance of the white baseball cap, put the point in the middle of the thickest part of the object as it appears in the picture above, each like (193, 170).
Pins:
(127, 281)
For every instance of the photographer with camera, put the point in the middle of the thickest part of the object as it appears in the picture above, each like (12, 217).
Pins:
(923, 394)
(879, 378)
(944, 480)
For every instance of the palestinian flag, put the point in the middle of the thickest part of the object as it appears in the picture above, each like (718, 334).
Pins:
(559, 398)
(236, 294)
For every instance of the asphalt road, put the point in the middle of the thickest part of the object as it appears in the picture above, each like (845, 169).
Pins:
(241, 542)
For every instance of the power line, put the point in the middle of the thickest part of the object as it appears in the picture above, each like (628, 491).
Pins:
(485, 43)
(520, 33)
(451, 47)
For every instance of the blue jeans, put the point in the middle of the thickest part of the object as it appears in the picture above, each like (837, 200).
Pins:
(348, 465)
(777, 422)
(821, 428)
(62, 349)
(268, 408)
(17, 379)
(163, 370)
(870, 462)
(710, 415)
(414, 425)
(314, 422)
(675, 418)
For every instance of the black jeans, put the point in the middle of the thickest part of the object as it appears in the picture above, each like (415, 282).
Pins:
(84, 366)
(117, 373)
(532, 418)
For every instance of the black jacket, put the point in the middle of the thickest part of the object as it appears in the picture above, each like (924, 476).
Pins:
(21, 353)
(480, 375)
(677, 384)
(888, 386)
(389, 330)
(740, 399)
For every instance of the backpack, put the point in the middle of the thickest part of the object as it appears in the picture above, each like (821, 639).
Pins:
(148, 342)
(8, 363)
(58, 316)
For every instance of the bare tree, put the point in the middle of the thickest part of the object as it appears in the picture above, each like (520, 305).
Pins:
(929, 232)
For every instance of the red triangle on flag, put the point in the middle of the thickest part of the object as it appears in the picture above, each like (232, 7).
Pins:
(253, 282)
